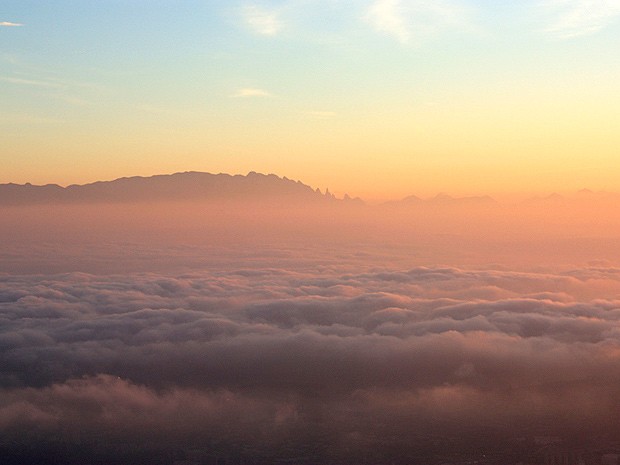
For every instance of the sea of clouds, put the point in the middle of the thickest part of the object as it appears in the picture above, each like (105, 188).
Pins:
(323, 361)
(199, 334)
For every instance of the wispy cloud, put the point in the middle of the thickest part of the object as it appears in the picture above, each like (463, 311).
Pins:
(580, 17)
(251, 92)
(9, 58)
(262, 21)
(408, 20)
(387, 16)
(45, 79)
(19, 119)
(9, 24)
(59, 89)
(31, 82)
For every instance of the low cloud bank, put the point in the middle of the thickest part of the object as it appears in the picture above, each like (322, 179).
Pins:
(321, 364)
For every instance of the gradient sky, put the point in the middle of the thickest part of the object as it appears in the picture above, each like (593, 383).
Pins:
(377, 98)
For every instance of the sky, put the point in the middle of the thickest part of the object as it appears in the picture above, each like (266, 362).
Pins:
(376, 98)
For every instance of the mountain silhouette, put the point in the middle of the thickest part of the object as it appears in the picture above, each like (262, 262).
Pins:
(441, 200)
(187, 186)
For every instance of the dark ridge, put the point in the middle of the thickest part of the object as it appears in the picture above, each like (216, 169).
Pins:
(187, 186)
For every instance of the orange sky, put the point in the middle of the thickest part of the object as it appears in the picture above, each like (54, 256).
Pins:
(379, 99)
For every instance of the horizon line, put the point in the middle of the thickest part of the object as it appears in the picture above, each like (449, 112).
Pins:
(372, 201)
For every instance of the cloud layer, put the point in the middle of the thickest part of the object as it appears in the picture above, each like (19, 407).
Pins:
(326, 363)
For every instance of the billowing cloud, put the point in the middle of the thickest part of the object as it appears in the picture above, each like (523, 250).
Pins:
(409, 20)
(324, 362)
(581, 17)
(261, 20)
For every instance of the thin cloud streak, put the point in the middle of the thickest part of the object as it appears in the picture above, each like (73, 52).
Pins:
(251, 92)
(32, 82)
(10, 24)
(28, 119)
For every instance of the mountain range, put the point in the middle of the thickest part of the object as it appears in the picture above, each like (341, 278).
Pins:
(186, 186)
(253, 187)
